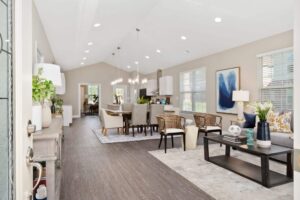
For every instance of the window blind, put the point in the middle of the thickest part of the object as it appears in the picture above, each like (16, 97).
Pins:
(277, 79)
(193, 90)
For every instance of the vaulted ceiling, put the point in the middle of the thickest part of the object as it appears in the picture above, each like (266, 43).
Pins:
(69, 25)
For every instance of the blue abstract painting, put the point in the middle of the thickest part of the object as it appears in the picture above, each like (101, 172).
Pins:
(227, 81)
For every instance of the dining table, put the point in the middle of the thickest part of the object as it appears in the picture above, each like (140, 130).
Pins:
(127, 116)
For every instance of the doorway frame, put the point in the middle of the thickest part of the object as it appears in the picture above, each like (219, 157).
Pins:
(79, 97)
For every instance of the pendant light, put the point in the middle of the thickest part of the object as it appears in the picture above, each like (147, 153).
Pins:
(119, 79)
(113, 82)
(136, 80)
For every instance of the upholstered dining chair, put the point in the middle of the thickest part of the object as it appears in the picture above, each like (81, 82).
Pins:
(155, 110)
(208, 123)
(110, 122)
(170, 125)
(127, 107)
(139, 117)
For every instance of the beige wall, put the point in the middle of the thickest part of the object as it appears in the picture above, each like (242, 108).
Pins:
(40, 39)
(100, 73)
(243, 56)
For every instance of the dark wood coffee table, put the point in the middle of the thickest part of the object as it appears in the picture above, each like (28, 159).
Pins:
(260, 174)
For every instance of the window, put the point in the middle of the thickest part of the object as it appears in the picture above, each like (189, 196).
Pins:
(193, 90)
(93, 94)
(121, 92)
(276, 72)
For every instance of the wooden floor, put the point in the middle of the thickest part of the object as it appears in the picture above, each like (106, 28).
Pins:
(121, 171)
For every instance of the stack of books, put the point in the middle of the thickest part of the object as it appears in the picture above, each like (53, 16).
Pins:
(234, 139)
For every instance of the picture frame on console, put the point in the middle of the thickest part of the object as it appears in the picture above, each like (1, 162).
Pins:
(227, 81)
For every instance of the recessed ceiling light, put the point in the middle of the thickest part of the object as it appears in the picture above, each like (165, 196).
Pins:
(84, 58)
(147, 57)
(82, 63)
(87, 51)
(158, 51)
(136, 62)
(90, 43)
(128, 66)
(97, 25)
(218, 19)
(187, 51)
(183, 37)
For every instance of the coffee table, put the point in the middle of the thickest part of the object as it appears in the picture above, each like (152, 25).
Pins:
(260, 174)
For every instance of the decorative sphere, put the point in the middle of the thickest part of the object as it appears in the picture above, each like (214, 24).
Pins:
(235, 130)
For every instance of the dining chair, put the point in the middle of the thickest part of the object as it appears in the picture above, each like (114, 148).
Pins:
(139, 117)
(170, 125)
(113, 107)
(155, 110)
(110, 122)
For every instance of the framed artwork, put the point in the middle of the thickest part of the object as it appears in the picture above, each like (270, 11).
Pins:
(227, 80)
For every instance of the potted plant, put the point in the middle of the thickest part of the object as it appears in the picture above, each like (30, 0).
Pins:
(58, 105)
(42, 91)
(142, 100)
(263, 127)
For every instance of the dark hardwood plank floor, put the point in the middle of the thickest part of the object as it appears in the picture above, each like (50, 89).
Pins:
(121, 171)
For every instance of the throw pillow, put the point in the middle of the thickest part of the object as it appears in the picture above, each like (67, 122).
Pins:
(285, 122)
(272, 119)
(250, 120)
(280, 122)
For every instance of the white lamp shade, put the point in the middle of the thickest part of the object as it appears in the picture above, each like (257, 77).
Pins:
(240, 95)
(50, 72)
(61, 89)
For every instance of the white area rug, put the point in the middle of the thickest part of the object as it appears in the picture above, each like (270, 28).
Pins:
(218, 182)
(114, 137)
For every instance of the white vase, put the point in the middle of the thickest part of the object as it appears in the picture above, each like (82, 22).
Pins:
(37, 116)
(46, 115)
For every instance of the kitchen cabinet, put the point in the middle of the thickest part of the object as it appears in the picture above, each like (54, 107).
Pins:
(151, 87)
(166, 86)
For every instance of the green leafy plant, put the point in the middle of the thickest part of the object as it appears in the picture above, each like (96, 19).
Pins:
(141, 100)
(58, 103)
(262, 110)
(42, 89)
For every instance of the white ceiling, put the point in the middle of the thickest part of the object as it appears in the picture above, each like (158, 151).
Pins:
(69, 27)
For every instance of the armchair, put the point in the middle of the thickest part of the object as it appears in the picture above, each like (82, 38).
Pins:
(110, 122)
(170, 125)
(208, 123)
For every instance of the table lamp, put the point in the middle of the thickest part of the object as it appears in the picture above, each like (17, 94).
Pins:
(240, 96)
(50, 72)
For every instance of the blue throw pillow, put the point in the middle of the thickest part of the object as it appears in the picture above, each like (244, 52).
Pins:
(250, 120)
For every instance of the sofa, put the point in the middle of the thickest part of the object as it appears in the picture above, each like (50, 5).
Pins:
(282, 139)
(277, 138)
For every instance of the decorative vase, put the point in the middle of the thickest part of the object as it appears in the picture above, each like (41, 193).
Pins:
(37, 116)
(46, 116)
(263, 135)
(53, 108)
(250, 133)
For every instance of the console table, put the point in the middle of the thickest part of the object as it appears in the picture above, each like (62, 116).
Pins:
(260, 174)
(47, 145)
